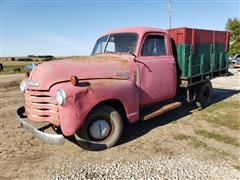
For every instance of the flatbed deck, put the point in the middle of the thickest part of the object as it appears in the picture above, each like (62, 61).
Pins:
(201, 55)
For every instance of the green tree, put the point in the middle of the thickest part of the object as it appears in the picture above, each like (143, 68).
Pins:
(233, 25)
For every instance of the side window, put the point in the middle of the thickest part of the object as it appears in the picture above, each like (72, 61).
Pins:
(154, 45)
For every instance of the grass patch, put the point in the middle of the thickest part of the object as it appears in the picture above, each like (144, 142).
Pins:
(16, 63)
(224, 114)
(230, 121)
(10, 84)
(197, 143)
(181, 137)
(223, 105)
(14, 70)
(237, 167)
(15, 67)
(218, 153)
(219, 137)
(191, 139)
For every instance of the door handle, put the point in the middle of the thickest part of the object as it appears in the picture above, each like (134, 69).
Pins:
(171, 65)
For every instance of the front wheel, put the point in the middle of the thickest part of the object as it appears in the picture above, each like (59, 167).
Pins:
(203, 94)
(102, 129)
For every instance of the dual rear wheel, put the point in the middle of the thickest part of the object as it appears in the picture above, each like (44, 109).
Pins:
(203, 94)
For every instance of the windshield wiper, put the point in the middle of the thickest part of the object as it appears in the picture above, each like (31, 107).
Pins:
(106, 43)
(129, 52)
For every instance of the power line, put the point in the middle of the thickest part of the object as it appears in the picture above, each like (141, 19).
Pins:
(170, 13)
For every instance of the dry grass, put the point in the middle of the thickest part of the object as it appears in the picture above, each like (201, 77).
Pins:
(219, 137)
(195, 142)
(191, 140)
(16, 63)
(224, 114)
(237, 167)
(15, 67)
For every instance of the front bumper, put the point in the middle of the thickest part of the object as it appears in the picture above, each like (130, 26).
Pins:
(45, 137)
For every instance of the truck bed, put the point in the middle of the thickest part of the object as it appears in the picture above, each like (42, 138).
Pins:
(201, 54)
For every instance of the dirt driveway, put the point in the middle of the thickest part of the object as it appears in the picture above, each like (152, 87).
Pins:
(211, 134)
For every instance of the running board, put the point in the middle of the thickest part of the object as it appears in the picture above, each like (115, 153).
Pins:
(162, 110)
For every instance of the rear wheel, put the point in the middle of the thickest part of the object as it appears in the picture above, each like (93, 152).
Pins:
(102, 129)
(203, 94)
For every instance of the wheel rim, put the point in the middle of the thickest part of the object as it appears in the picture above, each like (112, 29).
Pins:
(99, 129)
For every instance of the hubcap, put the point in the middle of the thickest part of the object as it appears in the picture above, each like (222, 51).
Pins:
(99, 129)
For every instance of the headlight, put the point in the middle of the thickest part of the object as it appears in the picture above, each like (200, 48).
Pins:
(23, 85)
(60, 97)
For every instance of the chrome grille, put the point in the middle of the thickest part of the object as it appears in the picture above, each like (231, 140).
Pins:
(41, 107)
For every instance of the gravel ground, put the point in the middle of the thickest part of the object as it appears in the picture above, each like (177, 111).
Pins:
(159, 167)
(148, 150)
(176, 167)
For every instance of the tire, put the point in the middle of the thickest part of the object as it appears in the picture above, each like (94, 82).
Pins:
(88, 137)
(203, 94)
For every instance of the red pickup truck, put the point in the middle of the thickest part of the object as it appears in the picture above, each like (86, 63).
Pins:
(129, 69)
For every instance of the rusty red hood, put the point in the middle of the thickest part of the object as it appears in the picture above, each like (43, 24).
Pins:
(85, 67)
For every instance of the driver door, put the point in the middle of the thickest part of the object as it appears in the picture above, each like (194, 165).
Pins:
(157, 69)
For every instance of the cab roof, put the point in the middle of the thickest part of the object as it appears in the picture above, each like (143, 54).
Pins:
(138, 30)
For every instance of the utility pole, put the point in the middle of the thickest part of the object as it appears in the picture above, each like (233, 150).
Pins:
(170, 13)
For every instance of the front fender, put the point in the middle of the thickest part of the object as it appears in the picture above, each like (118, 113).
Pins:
(82, 98)
(72, 113)
(123, 90)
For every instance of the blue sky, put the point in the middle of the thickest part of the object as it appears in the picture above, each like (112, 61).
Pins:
(71, 27)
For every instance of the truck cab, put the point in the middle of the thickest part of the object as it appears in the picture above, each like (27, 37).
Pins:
(90, 97)
(153, 59)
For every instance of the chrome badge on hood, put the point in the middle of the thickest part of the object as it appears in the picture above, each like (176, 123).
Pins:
(123, 74)
(32, 83)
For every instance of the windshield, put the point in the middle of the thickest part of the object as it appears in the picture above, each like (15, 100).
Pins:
(116, 43)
